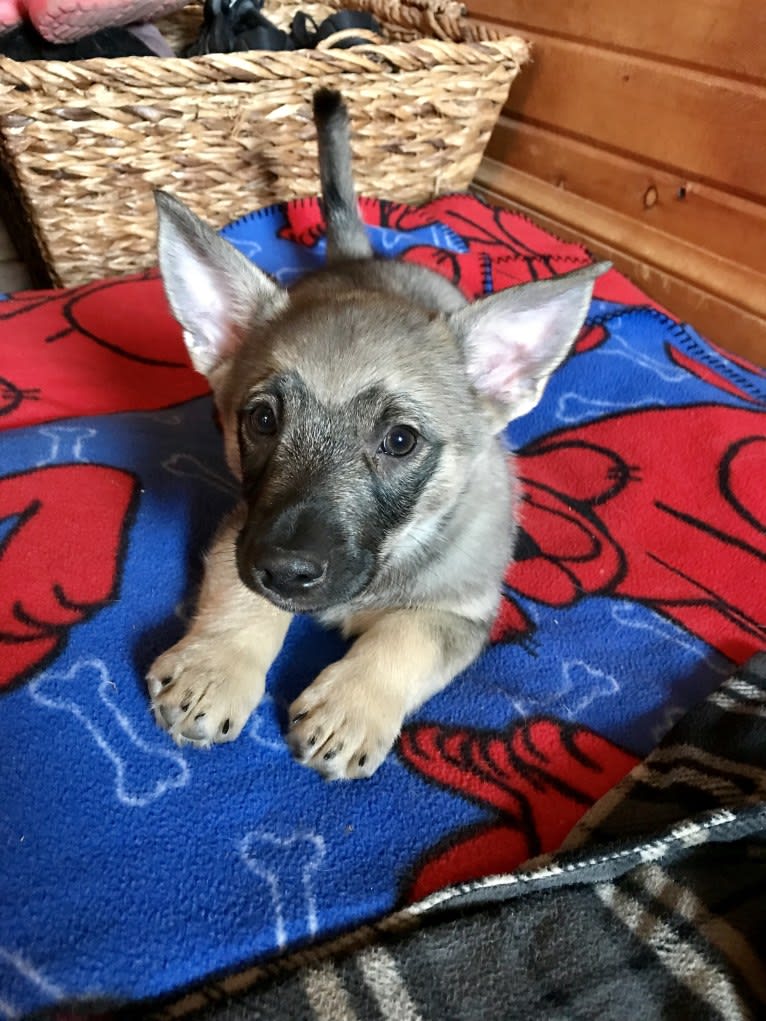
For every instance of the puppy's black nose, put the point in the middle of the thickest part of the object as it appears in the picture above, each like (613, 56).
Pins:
(289, 572)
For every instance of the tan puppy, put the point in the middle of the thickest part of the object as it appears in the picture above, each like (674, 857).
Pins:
(361, 411)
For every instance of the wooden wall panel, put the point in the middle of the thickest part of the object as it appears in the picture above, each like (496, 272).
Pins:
(689, 262)
(642, 129)
(672, 202)
(728, 36)
(674, 117)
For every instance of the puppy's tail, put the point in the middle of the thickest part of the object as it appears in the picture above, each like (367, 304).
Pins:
(346, 234)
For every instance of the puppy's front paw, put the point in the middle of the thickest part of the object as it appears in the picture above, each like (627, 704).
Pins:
(203, 690)
(342, 726)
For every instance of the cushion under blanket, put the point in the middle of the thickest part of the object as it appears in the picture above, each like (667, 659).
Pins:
(131, 868)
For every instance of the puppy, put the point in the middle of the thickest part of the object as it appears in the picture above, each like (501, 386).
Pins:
(361, 411)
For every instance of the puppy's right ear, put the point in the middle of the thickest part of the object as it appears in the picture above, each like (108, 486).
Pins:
(214, 292)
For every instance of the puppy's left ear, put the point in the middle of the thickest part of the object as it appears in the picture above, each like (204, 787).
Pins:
(214, 292)
(515, 339)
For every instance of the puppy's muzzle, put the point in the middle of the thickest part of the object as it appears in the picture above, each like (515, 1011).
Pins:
(299, 560)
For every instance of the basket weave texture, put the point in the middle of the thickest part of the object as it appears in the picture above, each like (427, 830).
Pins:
(85, 143)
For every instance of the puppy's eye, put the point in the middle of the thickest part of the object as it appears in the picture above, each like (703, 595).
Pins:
(262, 419)
(399, 441)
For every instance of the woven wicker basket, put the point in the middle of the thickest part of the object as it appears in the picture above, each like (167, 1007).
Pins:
(84, 143)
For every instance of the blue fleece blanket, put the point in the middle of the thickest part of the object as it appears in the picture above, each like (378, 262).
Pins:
(132, 869)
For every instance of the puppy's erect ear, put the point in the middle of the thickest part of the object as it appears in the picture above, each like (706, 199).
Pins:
(215, 293)
(513, 340)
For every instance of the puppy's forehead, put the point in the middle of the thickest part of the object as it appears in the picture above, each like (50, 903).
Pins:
(345, 347)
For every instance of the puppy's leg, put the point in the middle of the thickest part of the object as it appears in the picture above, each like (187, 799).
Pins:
(345, 723)
(204, 689)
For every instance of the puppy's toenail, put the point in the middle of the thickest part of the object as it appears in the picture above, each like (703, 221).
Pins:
(362, 759)
(300, 716)
(165, 681)
(200, 716)
(312, 741)
(225, 727)
(185, 706)
(331, 754)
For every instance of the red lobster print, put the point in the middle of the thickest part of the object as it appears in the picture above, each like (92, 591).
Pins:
(106, 347)
(537, 778)
(60, 557)
(625, 507)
